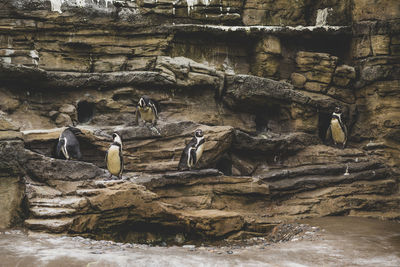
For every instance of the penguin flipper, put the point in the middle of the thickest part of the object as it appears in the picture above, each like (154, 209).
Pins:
(154, 110)
(345, 134)
(137, 115)
(121, 163)
(328, 135)
(193, 156)
(105, 158)
(153, 107)
(182, 162)
(58, 150)
(202, 141)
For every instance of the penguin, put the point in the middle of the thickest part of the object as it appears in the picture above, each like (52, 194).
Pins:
(337, 129)
(114, 159)
(68, 145)
(147, 110)
(192, 152)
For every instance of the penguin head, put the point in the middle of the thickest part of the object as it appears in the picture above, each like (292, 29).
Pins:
(144, 101)
(198, 133)
(337, 113)
(116, 138)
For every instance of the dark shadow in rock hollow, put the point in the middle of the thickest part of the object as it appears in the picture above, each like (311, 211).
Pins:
(225, 165)
(85, 111)
(324, 120)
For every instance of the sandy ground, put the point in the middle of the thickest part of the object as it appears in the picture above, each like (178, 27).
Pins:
(341, 241)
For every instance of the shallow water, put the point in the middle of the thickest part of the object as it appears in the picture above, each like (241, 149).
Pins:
(344, 241)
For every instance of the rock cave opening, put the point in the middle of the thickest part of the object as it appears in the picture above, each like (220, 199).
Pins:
(268, 119)
(225, 165)
(85, 111)
(229, 52)
(262, 123)
(291, 45)
(323, 124)
(152, 233)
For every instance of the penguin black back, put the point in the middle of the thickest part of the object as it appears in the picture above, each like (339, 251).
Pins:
(68, 144)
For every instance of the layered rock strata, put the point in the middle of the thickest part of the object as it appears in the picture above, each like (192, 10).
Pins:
(261, 79)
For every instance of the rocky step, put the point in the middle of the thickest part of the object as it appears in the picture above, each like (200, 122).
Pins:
(357, 197)
(204, 182)
(72, 202)
(43, 212)
(143, 149)
(287, 186)
(326, 169)
(213, 222)
(49, 225)
(280, 143)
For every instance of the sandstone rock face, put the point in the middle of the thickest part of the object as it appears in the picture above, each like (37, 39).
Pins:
(260, 78)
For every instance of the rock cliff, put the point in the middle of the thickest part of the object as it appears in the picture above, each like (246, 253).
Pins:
(260, 78)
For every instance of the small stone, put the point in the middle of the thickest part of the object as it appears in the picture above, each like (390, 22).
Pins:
(8, 103)
(53, 114)
(362, 47)
(316, 87)
(179, 238)
(319, 76)
(229, 252)
(346, 71)
(68, 109)
(270, 44)
(63, 120)
(380, 44)
(298, 79)
(7, 124)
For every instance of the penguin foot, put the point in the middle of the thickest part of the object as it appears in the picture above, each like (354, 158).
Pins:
(108, 178)
(154, 129)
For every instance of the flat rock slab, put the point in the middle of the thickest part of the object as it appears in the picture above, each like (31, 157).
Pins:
(60, 202)
(51, 225)
(44, 212)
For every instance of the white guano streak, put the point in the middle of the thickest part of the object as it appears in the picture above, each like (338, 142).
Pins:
(56, 4)
(322, 15)
(192, 3)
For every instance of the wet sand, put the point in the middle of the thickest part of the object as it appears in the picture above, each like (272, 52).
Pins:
(342, 241)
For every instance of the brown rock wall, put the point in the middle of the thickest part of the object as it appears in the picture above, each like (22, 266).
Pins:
(88, 65)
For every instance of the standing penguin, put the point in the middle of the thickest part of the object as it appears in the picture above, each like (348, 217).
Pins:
(114, 159)
(337, 129)
(147, 110)
(68, 144)
(192, 152)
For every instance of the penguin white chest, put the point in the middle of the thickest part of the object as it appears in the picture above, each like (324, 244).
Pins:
(114, 161)
(65, 151)
(338, 134)
(147, 114)
(199, 152)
